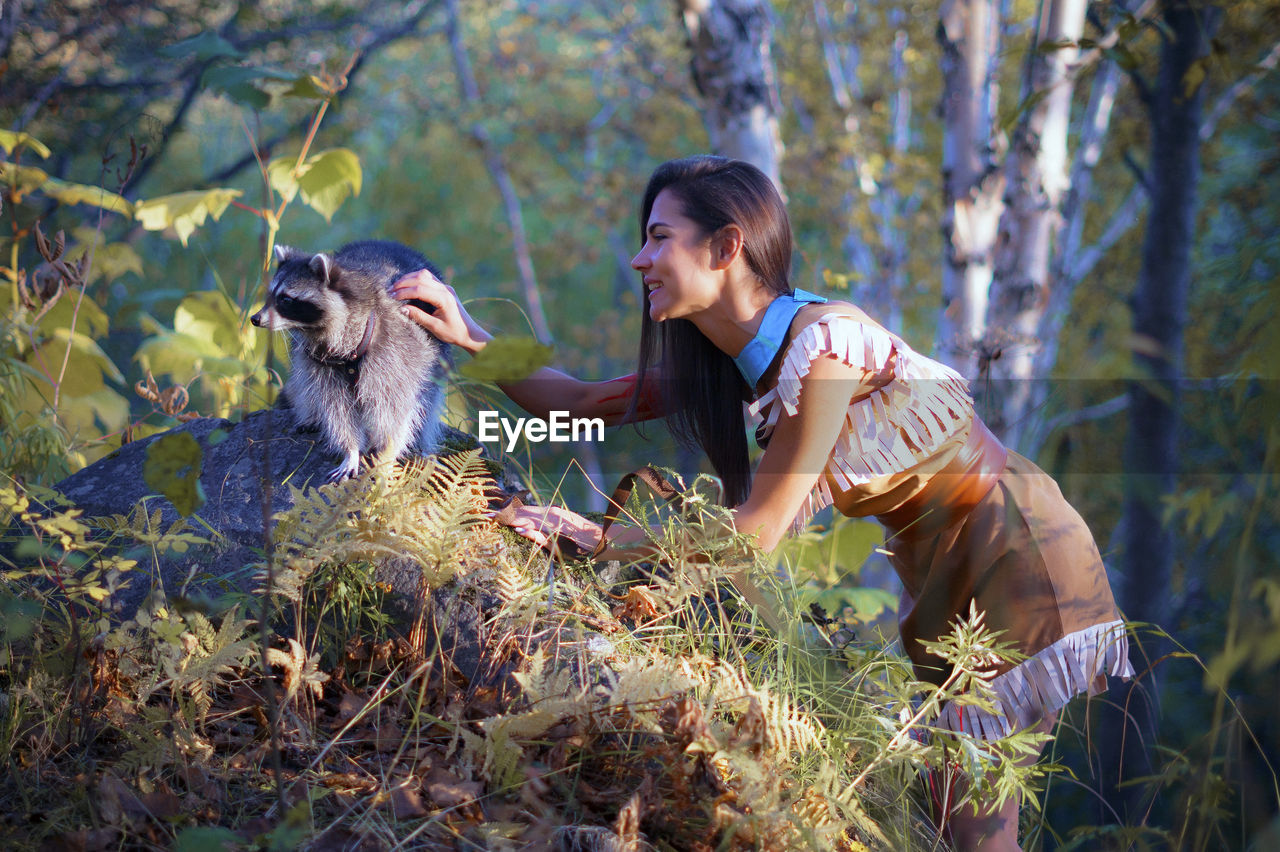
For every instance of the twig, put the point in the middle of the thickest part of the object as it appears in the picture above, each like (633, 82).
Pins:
(1229, 97)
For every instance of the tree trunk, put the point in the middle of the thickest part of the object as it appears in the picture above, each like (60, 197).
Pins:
(969, 35)
(733, 71)
(1159, 316)
(1036, 184)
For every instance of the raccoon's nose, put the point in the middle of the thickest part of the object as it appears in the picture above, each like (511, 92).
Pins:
(256, 319)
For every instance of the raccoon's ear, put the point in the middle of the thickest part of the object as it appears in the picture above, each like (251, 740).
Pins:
(322, 265)
(284, 253)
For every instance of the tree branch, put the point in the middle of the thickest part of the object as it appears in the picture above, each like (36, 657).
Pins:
(377, 40)
(1229, 97)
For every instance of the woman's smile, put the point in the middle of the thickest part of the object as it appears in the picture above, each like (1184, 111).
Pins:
(673, 261)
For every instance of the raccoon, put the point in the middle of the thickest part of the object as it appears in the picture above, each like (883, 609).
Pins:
(369, 378)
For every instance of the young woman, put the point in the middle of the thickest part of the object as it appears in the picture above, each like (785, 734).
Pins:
(848, 415)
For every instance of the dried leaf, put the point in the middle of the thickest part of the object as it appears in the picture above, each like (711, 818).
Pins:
(448, 790)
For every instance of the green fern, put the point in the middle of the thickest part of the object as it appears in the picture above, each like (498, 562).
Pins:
(429, 513)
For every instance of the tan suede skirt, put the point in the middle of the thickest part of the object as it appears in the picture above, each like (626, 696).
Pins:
(1012, 545)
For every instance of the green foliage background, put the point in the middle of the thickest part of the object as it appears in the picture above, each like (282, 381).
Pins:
(582, 99)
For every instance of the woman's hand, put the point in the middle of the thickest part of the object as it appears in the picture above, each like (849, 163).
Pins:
(540, 523)
(447, 319)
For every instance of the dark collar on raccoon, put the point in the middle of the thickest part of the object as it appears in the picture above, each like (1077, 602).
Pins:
(351, 366)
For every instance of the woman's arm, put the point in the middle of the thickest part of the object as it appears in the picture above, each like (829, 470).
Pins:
(541, 392)
(799, 449)
(796, 457)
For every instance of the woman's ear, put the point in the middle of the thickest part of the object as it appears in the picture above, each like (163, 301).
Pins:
(726, 247)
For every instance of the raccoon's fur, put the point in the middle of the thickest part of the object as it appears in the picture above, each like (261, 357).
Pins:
(369, 378)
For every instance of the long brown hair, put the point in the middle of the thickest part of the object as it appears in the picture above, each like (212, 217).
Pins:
(701, 388)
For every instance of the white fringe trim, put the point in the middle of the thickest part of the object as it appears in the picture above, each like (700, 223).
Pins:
(1045, 682)
(894, 428)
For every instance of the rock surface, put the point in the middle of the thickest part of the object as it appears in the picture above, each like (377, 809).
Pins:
(246, 470)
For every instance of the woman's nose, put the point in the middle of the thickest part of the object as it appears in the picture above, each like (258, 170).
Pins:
(640, 261)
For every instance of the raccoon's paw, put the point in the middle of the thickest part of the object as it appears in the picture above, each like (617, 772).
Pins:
(349, 468)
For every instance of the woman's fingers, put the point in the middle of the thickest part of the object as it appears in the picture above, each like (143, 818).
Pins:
(540, 523)
(424, 287)
(433, 305)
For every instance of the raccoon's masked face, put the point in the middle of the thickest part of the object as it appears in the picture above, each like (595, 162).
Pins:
(299, 297)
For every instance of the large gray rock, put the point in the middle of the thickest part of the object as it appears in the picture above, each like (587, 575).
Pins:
(246, 471)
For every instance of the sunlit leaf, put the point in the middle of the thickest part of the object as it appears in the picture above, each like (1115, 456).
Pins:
(280, 174)
(308, 86)
(172, 468)
(860, 604)
(11, 141)
(78, 193)
(210, 316)
(507, 359)
(184, 211)
(23, 179)
(329, 179)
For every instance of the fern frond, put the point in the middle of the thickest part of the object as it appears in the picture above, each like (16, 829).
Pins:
(431, 513)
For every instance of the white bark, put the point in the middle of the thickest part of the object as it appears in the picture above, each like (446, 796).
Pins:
(969, 34)
(733, 71)
(1036, 184)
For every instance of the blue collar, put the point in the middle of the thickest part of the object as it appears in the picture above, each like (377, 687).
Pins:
(757, 355)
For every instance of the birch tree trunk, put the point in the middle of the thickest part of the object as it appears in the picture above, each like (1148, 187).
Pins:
(733, 71)
(1036, 184)
(969, 35)
(1159, 317)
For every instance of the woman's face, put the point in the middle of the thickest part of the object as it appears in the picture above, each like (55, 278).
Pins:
(676, 262)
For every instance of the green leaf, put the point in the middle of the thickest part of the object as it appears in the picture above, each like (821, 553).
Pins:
(184, 211)
(110, 260)
(90, 318)
(308, 86)
(1194, 76)
(1027, 106)
(280, 174)
(78, 193)
(864, 603)
(12, 141)
(241, 83)
(209, 315)
(1123, 57)
(172, 468)
(328, 179)
(833, 556)
(1054, 46)
(87, 364)
(206, 839)
(507, 359)
(207, 45)
(18, 617)
(23, 179)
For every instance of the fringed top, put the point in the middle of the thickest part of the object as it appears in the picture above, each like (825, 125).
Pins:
(889, 430)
